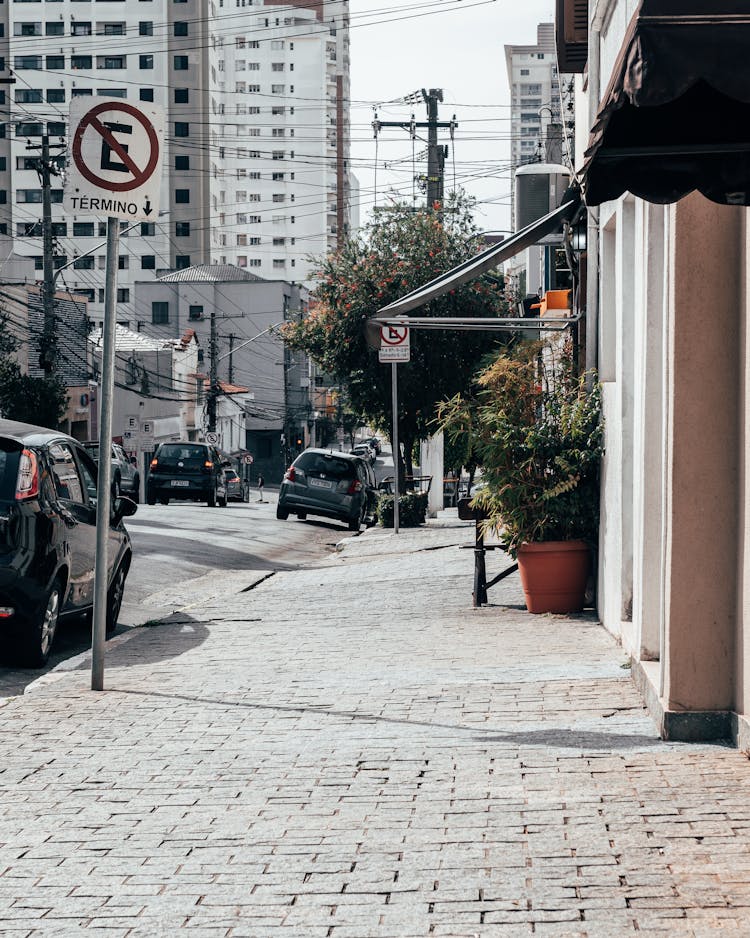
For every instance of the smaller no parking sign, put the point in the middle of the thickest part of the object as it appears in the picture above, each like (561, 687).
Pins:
(394, 344)
(114, 165)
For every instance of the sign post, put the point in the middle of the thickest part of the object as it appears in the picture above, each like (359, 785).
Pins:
(114, 169)
(395, 348)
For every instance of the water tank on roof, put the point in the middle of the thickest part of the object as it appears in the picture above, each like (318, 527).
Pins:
(539, 191)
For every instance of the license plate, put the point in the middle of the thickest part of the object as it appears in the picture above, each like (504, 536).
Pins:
(180, 482)
(321, 483)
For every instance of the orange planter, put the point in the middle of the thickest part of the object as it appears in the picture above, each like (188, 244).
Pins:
(554, 575)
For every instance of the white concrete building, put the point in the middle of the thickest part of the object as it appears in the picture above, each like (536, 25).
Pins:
(256, 161)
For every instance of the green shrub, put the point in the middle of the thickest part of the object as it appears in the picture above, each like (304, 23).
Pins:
(412, 510)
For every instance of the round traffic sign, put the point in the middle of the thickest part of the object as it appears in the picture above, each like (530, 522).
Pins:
(91, 122)
(394, 335)
(212, 438)
(248, 460)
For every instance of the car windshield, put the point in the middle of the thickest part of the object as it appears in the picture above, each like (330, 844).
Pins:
(171, 454)
(325, 464)
(9, 458)
(231, 475)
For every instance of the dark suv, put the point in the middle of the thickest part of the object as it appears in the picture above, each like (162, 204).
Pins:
(335, 485)
(48, 539)
(125, 476)
(193, 471)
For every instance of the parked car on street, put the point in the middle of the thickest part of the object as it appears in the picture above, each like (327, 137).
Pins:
(48, 539)
(125, 475)
(193, 471)
(365, 451)
(235, 486)
(331, 484)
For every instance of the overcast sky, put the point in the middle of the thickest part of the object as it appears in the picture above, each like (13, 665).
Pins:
(456, 45)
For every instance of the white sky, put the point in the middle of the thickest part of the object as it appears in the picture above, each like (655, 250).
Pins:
(456, 45)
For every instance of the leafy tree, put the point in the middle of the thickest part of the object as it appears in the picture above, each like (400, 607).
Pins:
(40, 401)
(399, 252)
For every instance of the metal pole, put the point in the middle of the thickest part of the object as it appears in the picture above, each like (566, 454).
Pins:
(104, 490)
(213, 380)
(394, 439)
(48, 343)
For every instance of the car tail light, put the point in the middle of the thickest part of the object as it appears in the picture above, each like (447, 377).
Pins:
(6, 612)
(154, 462)
(27, 485)
(354, 486)
(208, 464)
(290, 475)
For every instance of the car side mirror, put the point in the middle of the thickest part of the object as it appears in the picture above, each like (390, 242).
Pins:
(122, 507)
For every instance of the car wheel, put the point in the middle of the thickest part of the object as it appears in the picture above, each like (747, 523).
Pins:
(136, 493)
(151, 499)
(281, 513)
(33, 648)
(223, 502)
(354, 524)
(302, 515)
(114, 598)
(115, 487)
(211, 500)
(164, 500)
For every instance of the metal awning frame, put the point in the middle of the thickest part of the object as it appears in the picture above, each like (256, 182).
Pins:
(483, 324)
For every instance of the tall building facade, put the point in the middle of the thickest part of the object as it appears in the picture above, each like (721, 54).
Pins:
(539, 101)
(256, 162)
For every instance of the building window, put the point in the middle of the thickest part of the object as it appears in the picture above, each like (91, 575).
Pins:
(148, 229)
(145, 28)
(83, 229)
(110, 61)
(84, 263)
(80, 29)
(195, 312)
(28, 95)
(159, 313)
(55, 95)
(182, 261)
(182, 162)
(122, 262)
(148, 262)
(277, 66)
(54, 29)
(181, 96)
(182, 196)
(110, 29)
(123, 295)
(182, 229)
(181, 63)
(279, 263)
(27, 61)
(181, 129)
(81, 61)
(81, 92)
(145, 61)
(147, 94)
(27, 129)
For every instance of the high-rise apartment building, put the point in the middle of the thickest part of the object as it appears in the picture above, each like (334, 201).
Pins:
(256, 163)
(538, 113)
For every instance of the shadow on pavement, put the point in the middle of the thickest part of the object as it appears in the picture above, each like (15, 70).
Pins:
(166, 638)
(560, 738)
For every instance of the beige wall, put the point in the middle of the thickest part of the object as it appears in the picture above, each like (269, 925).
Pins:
(702, 455)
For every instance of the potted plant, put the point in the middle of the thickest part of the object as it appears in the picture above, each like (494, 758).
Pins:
(538, 432)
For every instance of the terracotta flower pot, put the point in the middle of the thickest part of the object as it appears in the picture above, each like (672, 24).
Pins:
(554, 575)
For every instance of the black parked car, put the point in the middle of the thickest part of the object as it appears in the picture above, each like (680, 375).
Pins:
(193, 471)
(48, 539)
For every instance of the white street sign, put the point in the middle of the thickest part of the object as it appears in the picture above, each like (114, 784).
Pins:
(212, 438)
(247, 459)
(146, 436)
(114, 165)
(394, 344)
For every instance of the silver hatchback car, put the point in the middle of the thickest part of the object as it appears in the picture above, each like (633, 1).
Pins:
(328, 483)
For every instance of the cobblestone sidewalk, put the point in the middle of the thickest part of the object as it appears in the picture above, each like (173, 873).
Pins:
(353, 751)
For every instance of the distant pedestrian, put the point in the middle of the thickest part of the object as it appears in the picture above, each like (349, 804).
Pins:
(260, 488)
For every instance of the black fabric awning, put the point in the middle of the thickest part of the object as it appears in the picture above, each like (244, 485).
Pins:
(676, 114)
(486, 260)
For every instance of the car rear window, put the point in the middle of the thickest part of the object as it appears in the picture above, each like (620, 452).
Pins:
(172, 453)
(332, 466)
(8, 471)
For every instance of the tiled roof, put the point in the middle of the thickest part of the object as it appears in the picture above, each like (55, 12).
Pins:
(232, 388)
(211, 273)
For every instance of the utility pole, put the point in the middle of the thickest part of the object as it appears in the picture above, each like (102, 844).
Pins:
(436, 153)
(48, 342)
(230, 366)
(213, 390)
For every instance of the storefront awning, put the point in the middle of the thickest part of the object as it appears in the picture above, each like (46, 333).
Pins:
(486, 260)
(676, 114)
